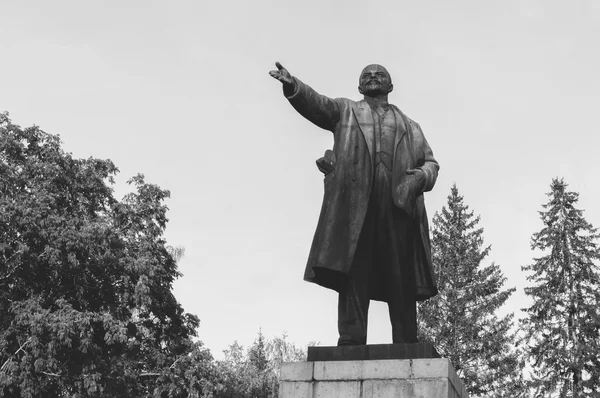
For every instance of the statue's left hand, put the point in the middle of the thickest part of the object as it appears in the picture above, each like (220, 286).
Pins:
(420, 174)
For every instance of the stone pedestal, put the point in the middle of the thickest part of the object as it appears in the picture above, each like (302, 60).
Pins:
(373, 378)
(372, 351)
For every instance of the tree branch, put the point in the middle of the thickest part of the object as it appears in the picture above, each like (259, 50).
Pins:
(3, 367)
(177, 360)
(149, 374)
(51, 374)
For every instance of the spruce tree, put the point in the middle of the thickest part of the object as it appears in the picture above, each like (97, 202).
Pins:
(461, 321)
(561, 327)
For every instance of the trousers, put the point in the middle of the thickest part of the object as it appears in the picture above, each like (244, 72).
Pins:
(383, 260)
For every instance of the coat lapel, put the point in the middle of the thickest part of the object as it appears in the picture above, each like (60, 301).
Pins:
(402, 126)
(364, 119)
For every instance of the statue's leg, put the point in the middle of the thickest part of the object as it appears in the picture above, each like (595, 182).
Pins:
(402, 290)
(403, 316)
(353, 303)
(353, 309)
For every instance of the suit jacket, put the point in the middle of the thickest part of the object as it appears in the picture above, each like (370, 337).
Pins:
(348, 187)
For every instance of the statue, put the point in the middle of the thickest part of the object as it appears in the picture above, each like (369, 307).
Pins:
(372, 239)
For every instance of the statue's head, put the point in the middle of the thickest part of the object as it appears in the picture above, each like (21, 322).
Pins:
(375, 80)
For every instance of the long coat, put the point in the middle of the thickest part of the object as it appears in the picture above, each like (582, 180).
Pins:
(348, 187)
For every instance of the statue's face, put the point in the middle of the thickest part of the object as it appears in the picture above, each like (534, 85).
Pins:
(375, 80)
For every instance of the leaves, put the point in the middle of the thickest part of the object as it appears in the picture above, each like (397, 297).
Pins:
(255, 372)
(85, 279)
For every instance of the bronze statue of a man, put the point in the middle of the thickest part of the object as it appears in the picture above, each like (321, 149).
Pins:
(372, 239)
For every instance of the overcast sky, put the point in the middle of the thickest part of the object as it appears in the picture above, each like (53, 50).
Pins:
(507, 94)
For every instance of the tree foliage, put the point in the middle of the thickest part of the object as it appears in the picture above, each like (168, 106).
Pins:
(562, 326)
(462, 320)
(255, 372)
(86, 307)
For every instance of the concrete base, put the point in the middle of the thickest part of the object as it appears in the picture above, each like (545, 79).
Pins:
(406, 378)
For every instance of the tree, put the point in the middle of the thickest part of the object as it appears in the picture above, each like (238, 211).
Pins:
(280, 350)
(255, 372)
(461, 321)
(262, 378)
(86, 307)
(562, 326)
(257, 354)
(193, 375)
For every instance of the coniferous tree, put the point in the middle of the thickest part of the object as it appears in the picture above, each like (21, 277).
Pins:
(461, 321)
(562, 326)
(258, 353)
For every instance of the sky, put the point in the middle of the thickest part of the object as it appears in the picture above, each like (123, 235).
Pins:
(506, 93)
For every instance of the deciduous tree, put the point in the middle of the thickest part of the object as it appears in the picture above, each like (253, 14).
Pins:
(86, 307)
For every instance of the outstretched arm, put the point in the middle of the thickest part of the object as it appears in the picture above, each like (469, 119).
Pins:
(319, 109)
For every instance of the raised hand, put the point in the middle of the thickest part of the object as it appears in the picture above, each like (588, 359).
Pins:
(282, 75)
